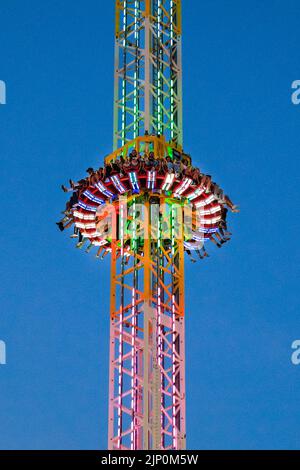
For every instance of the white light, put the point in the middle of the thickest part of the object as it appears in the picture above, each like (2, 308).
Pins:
(100, 243)
(168, 181)
(80, 215)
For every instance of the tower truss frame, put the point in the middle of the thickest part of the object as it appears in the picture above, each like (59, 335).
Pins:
(148, 70)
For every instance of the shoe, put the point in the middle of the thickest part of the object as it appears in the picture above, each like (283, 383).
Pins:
(74, 235)
(80, 245)
(60, 226)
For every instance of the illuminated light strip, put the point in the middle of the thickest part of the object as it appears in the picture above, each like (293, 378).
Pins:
(173, 374)
(103, 189)
(133, 369)
(159, 91)
(159, 349)
(135, 98)
(87, 207)
(122, 226)
(93, 198)
(207, 230)
(206, 201)
(203, 238)
(82, 216)
(172, 81)
(86, 226)
(90, 235)
(151, 179)
(133, 352)
(100, 243)
(186, 183)
(117, 184)
(124, 82)
(195, 194)
(168, 182)
(134, 181)
(160, 341)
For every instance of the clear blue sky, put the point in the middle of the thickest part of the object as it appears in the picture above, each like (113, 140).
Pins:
(242, 305)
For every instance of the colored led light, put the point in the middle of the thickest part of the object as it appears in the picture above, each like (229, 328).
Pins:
(93, 198)
(81, 215)
(195, 194)
(183, 187)
(117, 184)
(134, 181)
(151, 180)
(87, 207)
(205, 202)
(169, 179)
(104, 190)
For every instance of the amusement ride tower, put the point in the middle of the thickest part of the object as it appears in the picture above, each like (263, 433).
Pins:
(135, 208)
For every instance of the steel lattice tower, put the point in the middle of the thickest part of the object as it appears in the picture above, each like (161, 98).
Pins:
(146, 209)
(147, 370)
